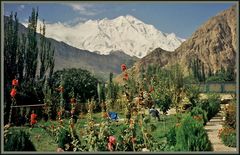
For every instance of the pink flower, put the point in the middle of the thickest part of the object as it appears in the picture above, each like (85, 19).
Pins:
(112, 139)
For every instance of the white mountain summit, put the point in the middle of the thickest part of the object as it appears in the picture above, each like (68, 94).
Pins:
(124, 33)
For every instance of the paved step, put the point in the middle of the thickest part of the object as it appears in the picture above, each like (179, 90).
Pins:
(212, 128)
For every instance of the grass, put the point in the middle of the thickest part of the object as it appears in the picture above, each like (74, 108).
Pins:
(45, 142)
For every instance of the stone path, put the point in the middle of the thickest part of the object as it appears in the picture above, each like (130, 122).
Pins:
(212, 128)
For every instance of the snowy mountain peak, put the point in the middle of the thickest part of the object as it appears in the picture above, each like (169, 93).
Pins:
(124, 33)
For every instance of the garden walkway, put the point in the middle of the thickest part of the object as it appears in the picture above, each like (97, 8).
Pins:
(212, 128)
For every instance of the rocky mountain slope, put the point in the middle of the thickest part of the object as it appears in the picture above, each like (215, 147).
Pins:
(214, 44)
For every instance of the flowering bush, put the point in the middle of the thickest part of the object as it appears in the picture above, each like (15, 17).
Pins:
(228, 136)
(199, 114)
(230, 114)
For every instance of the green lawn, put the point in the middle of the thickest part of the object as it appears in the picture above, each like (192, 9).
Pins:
(45, 142)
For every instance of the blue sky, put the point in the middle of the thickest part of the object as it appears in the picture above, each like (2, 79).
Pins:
(181, 18)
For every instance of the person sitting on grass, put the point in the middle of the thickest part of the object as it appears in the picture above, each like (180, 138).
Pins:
(33, 119)
(113, 116)
(155, 113)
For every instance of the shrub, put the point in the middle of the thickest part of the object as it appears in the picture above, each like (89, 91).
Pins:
(198, 112)
(64, 140)
(231, 116)
(171, 137)
(228, 136)
(191, 136)
(18, 140)
(214, 105)
(210, 105)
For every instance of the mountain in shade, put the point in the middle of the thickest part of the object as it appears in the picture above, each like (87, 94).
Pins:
(67, 56)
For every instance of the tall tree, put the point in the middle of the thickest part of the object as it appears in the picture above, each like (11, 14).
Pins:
(32, 49)
(10, 47)
(21, 56)
(46, 54)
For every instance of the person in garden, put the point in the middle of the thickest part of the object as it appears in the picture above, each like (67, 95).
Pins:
(33, 119)
(113, 116)
(155, 113)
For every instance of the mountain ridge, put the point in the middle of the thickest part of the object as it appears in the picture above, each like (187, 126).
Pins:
(125, 33)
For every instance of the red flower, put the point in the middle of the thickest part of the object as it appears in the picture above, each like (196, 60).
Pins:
(15, 82)
(125, 76)
(33, 119)
(123, 67)
(112, 139)
(59, 113)
(13, 92)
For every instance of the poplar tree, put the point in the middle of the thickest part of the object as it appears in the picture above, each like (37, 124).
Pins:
(32, 49)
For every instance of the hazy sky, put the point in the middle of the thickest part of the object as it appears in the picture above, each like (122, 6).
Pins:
(181, 18)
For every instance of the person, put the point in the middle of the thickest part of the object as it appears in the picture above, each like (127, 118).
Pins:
(113, 116)
(33, 119)
(155, 113)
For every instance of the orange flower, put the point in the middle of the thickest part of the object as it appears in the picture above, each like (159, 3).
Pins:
(105, 115)
(13, 92)
(15, 82)
(125, 77)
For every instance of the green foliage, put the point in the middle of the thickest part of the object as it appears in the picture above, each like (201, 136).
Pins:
(164, 103)
(46, 53)
(210, 105)
(32, 49)
(192, 93)
(64, 139)
(223, 75)
(191, 136)
(18, 140)
(199, 112)
(171, 137)
(111, 91)
(81, 81)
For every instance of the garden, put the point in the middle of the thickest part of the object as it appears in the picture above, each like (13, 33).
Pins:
(67, 122)
(71, 110)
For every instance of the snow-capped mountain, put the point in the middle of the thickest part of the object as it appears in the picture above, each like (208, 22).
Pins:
(124, 33)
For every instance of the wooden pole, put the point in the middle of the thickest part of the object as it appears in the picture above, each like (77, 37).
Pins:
(35, 105)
